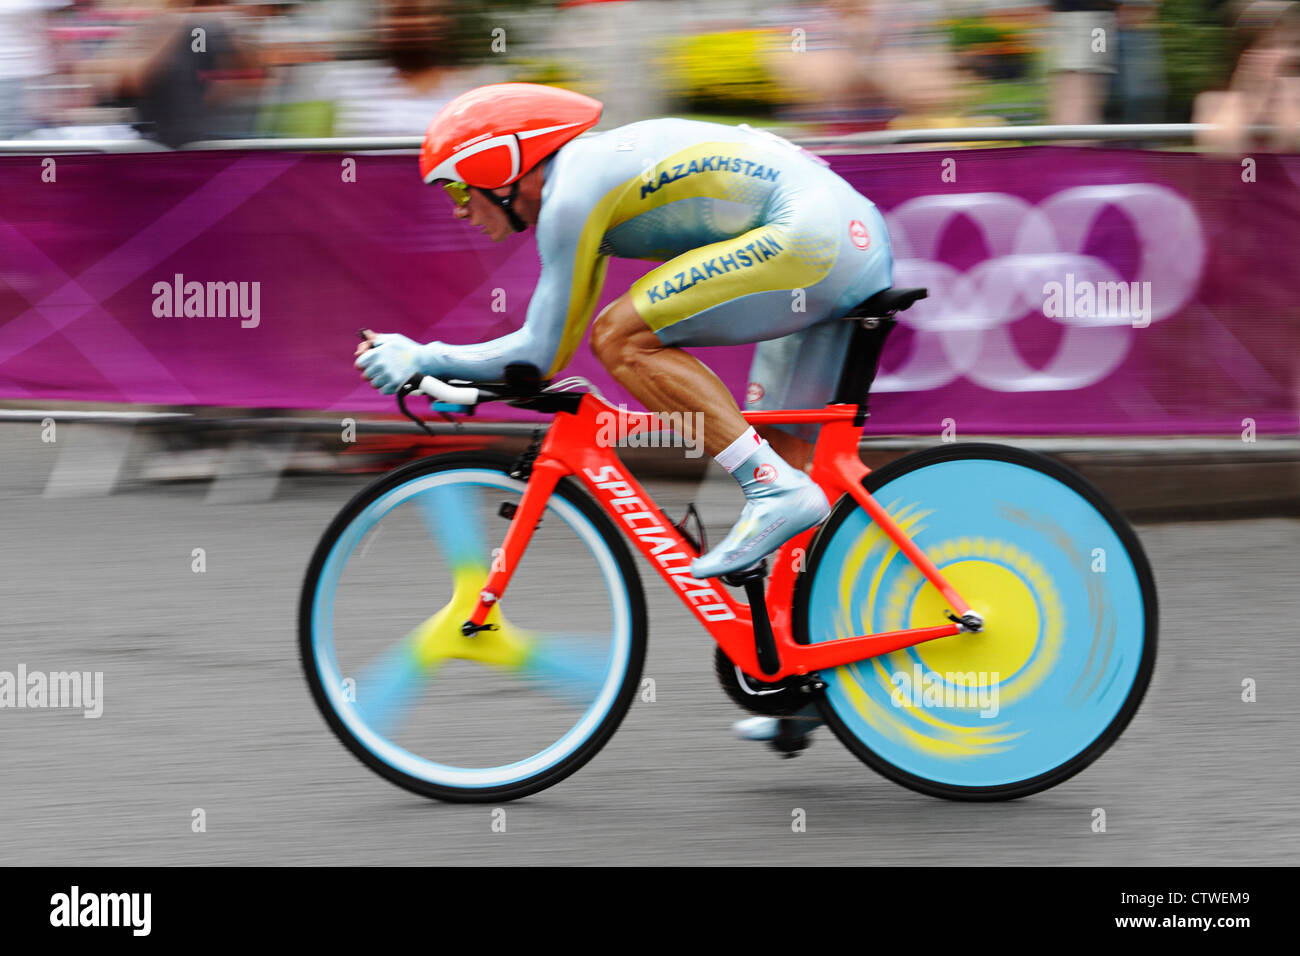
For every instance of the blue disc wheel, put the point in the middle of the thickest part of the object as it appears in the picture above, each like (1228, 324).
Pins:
(486, 716)
(1069, 637)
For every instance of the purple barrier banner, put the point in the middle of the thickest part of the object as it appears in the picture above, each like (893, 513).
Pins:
(1072, 290)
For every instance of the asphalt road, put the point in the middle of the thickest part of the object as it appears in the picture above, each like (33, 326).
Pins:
(205, 707)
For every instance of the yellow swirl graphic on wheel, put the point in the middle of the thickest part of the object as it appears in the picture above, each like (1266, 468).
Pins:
(1008, 640)
(1018, 647)
(868, 541)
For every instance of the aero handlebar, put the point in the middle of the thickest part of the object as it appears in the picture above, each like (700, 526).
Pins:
(441, 391)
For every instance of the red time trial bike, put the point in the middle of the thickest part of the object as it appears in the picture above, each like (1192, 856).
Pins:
(973, 621)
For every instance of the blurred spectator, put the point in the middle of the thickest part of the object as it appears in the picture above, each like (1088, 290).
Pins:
(1138, 86)
(295, 45)
(415, 75)
(609, 50)
(187, 72)
(1082, 36)
(881, 54)
(1265, 86)
(24, 58)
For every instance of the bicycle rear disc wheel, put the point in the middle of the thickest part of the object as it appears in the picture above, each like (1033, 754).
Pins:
(1069, 639)
(499, 714)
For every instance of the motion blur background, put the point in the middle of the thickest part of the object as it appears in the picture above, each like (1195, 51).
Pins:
(128, 438)
(120, 68)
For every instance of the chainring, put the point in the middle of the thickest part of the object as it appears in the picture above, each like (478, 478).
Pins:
(758, 697)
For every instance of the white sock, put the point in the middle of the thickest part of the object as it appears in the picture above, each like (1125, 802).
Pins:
(735, 454)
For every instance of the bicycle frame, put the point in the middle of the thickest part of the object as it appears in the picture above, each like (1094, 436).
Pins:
(571, 448)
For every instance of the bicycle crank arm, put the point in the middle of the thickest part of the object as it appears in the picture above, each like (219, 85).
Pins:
(751, 579)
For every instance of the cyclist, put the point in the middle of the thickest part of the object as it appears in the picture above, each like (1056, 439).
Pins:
(759, 242)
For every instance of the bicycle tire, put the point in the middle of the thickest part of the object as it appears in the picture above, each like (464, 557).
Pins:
(879, 484)
(575, 506)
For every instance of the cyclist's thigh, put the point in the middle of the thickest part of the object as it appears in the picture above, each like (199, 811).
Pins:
(794, 272)
(799, 370)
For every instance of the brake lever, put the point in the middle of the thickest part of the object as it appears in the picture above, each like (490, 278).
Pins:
(406, 388)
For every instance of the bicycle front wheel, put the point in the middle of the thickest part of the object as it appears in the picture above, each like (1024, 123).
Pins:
(1068, 643)
(509, 710)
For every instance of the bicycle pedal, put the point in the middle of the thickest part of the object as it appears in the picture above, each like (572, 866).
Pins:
(737, 579)
(790, 745)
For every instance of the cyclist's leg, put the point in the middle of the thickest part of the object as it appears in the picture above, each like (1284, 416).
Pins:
(781, 500)
(799, 370)
(662, 378)
(803, 369)
(782, 277)
(736, 291)
(774, 280)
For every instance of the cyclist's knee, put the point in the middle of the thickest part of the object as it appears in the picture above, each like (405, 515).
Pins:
(606, 337)
(619, 333)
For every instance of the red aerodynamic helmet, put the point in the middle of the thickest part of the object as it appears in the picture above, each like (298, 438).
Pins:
(491, 136)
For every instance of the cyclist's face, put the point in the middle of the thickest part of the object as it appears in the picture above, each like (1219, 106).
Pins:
(482, 213)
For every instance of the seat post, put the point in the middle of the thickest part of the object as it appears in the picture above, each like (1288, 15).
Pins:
(861, 363)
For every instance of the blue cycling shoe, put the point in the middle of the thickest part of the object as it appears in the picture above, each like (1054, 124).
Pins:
(780, 502)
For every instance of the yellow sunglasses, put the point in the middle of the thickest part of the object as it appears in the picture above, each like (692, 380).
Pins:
(459, 192)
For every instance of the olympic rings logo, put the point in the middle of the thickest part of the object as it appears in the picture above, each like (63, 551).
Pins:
(963, 327)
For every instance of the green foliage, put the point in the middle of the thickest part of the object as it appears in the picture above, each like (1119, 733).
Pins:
(1199, 53)
(304, 119)
(974, 31)
(995, 48)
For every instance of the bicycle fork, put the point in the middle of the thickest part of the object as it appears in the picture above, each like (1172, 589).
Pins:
(544, 476)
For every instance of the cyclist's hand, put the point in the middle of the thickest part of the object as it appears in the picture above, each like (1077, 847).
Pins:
(389, 360)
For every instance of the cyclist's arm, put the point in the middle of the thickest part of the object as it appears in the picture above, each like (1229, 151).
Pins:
(559, 311)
